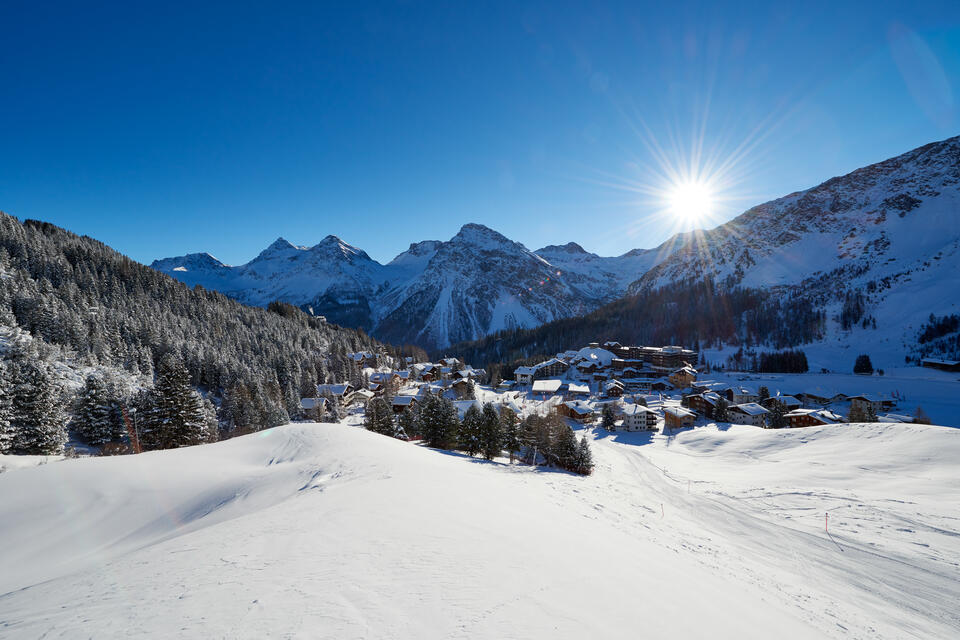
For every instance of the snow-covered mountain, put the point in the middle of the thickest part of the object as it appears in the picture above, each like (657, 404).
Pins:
(880, 245)
(433, 294)
(885, 239)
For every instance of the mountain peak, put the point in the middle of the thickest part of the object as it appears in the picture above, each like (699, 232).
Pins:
(278, 248)
(480, 235)
(570, 247)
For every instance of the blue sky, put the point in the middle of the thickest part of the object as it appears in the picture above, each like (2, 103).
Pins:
(170, 129)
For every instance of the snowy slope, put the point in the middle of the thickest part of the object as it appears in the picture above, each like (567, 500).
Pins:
(329, 531)
(889, 231)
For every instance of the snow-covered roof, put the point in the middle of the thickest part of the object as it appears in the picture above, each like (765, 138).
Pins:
(788, 401)
(573, 387)
(334, 389)
(679, 412)
(894, 417)
(525, 371)
(867, 397)
(750, 409)
(403, 401)
(634, 409)
(823, 415)
(310, 403)
(595, 355)
(546, 386)
(578, 407)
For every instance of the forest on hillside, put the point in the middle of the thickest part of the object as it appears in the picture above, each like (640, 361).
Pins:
(72, 308)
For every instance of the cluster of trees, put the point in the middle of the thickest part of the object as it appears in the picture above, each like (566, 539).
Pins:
(486, 432)
(85, 306)
(938, 327)
(788, 361)
(687, 313)
(862, 365)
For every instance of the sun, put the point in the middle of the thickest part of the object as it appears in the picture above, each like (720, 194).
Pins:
(690, 202)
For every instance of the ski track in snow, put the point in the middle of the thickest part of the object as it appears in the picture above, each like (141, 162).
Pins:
(330, 531)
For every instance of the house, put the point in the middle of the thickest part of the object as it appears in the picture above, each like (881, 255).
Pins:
(402, 402)
(314, 406)
(637, 417)
(363, 359)
(678, 417)
(340, 391)
(575, 390)
(943, 365)
(524, 375)
(661, 385)
(741, 395)
(820, 396)
(462, 387)
(547, 387)
(748, 413)
(787, 403)
(868, 403)
(388, 382)
(703, 403)
(613, 389)
(577, 410)
(360, 396)
(811, 418)
(683, 377)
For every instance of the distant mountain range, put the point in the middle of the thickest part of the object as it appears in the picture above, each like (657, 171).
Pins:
(886, 236)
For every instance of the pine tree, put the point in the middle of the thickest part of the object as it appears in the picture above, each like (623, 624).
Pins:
(174, 415)
(379, 417)
(470, 431)
(777, 419)
(511, 432)
(491, 433)
(565, 449)
(863, 366)
(37, 422)
(409, 421)
(764, 393)
(97, 419)
(608, 418)
(439, 424)
(584, 459)
(6, 409)
(720, 411)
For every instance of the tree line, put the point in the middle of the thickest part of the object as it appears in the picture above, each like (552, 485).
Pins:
(487, 431)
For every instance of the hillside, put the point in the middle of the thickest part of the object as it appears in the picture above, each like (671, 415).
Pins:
(311, 530)
(77, 307)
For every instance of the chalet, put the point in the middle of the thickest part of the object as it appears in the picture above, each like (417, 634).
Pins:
(402, 402)
(683, 377)
(703, 403)
(524, 375)
(389, 382)
(360, 396)
(404, 377)
(637, 417)
(820, 396)
(661, 385)
(341, 391)
(462, 387)
(741, 395)
(867, 403)
(318, 405)
(943, 365)
(547, 369)
(577, 410)
(363, 359)
(748, 413)
(613, 389)
(425, 371)
(787, 403)
(811, 418)
(678, 417)
(446, 373)
(575, 390)
(547, 387)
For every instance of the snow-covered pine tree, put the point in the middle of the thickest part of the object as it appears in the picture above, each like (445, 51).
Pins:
(607, 417)
(6, 430)
(470, 431)
(175, 415)
(491, 433)
(721, 411)
(409, 421)
(565, 448)
(379, 417)
(584, 459)
(96, 419)
(37, 421)
(511, 432)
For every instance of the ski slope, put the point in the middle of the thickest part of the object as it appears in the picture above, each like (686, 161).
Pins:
(328, 531)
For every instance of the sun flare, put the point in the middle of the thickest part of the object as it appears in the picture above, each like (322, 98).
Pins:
(691, 202)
